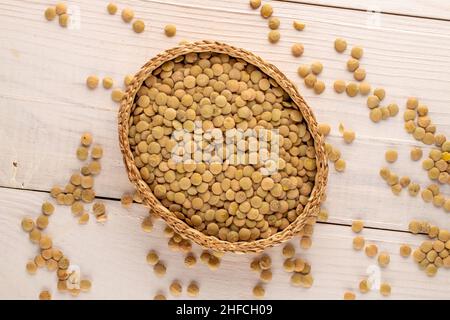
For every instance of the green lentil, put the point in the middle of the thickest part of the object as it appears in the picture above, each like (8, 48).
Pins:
(274, 36)
(352, 89)
(380, 93)
(255, 4)
(50, 13)
(64, 20)
(127, 15)
(299, 26)
(193, 289)
(138, 26)
(170, 30)
(297, 49)
(111, 8)
(352, 64)
(357, 226)
(92, 82)
(358, 243)
(357, 52)
(274, 23)
(266, 11)
(340, 45)
(391, 156)
(339, 86)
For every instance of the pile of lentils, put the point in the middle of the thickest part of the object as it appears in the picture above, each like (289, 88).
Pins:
(218, 198)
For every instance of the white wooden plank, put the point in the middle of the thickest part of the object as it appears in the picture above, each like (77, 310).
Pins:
(42, 120)
(434, 9)
(113, 256)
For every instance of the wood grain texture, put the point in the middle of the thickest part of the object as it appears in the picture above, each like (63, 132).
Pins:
(434, 9)
(113, 257)
(42, 120)
(45, 106)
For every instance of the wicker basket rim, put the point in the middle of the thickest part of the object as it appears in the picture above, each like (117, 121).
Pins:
(210, 242)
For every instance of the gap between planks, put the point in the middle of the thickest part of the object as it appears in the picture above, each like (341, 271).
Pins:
(331, 6)
(340, 224)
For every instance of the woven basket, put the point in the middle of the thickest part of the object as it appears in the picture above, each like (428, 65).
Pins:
(311, 209)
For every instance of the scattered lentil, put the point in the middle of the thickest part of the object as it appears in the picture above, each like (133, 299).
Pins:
(175, 288)
(349, 295)
(35, 235)
(358, 243)
(190, 260)
(349, 136)
(305, 242)
(50, 13)
(324, 129)
(83, 219)
(274, 36)
(92, 82)
(127, 15)
(274, 23)
(297, 49)
(193, 289)
(359, 74)
(61, 8)
(160, 269)
(371, 250)
(126, 200)
(323, 215)
(31, 267)
(339, 86)
(265, 275)
(364, 88)
(304, 70)
(357, 52)
(258, 291)
(416, 154)
(42, 222)
(45, 295)
(340, 165)
(340, 45)
(352, 64)
(159, 296)
(27, 224)
(310, 80)
(64, 20)
(357, 226)
(170, 30)
(380, 93)
(391, 156)
(255, 4)
(319, 87)
(238, 207)
(117, 95)
(352, 89)
(385, 289)
(112, 8)
(45, 242)
(383, 259)
(364, 286)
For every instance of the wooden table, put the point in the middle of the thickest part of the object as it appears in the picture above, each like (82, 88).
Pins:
(45, 106)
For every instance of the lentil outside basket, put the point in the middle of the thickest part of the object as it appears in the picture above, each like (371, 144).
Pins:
(210, 242)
